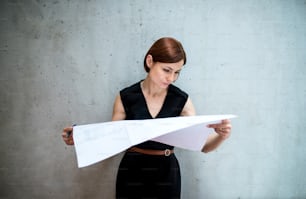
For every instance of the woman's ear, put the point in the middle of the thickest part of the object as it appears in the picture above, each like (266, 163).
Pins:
(149, 60)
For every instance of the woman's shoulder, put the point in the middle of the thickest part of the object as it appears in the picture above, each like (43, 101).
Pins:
(132, 88)
(176, 90)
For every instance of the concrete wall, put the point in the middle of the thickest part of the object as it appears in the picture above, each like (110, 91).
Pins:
(63, 62)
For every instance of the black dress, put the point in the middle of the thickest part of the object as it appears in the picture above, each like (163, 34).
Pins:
(149, 176)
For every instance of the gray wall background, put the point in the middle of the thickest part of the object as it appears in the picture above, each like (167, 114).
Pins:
(63, 62)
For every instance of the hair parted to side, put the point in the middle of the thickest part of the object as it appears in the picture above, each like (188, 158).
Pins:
(166, 50)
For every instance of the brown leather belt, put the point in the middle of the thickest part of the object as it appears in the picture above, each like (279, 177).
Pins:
(165, 152)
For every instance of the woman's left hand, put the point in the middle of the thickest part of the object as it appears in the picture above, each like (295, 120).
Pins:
(223, 129)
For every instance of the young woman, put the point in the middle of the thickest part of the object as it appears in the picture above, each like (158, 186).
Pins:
(150, 169)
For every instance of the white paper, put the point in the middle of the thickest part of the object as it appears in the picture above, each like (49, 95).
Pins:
(96, 142)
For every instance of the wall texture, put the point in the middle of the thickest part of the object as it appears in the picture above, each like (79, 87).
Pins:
(63, 62)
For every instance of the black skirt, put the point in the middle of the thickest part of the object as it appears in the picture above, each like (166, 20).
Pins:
(148, 176)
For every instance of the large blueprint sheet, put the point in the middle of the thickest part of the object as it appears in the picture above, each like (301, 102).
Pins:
(96, 142)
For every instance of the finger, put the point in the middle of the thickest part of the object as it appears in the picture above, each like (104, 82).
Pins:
(224, 127)
(221, 130)
(228, 126)
(68, 129)
(226, 121)
(212, 125)
(215, 126)
(70, 142)
(67, 132)
(223, 134)
(64, 135)
(224, 124)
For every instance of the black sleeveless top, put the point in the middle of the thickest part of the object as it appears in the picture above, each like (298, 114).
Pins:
(135, 107)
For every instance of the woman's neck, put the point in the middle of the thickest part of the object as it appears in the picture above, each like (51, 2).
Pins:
(151, 89)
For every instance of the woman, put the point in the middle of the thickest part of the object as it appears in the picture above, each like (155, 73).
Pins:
(150, 169)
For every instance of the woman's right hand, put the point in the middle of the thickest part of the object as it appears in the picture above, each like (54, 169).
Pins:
(67, 135)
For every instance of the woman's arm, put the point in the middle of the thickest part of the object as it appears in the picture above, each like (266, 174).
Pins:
(222, 130)
(188, 109)
(118, 110)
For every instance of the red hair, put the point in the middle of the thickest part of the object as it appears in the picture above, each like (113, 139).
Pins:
(166, 50)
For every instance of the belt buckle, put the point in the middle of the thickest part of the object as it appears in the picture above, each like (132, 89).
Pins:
(167, 152)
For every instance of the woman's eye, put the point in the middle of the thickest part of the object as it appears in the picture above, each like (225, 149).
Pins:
(166, 70)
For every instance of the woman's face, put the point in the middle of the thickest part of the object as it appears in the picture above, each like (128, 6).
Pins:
(164, 74)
